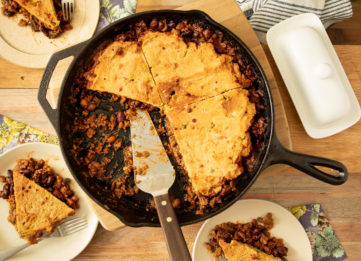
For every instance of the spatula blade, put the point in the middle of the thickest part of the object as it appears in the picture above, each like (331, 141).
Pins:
(154, 172)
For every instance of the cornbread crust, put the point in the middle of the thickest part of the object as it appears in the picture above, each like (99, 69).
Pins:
(163, 50)
(238, 251)
(122, 70)
(179, 84)
(37, 210)
(187, 72)
(43, 10)
(213, 136)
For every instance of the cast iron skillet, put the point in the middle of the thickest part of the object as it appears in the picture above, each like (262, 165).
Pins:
(132, 211)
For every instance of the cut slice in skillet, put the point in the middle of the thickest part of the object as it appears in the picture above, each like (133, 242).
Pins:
(213, 136)
(121, 69)
(43, 10)
(187, 72)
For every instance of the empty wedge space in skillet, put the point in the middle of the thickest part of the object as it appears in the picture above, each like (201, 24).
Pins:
(121, 69)
(187, 72)
(213, 136)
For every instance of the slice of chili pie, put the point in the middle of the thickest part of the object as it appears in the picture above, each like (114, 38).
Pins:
(121, 69)
(213, 136)
(37, 210)
(186, 73)
(238, 251)
(43, 10)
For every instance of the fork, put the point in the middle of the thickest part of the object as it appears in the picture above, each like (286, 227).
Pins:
(65, 228)
(68, 8)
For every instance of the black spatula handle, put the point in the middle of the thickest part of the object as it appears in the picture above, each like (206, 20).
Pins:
(177, 247)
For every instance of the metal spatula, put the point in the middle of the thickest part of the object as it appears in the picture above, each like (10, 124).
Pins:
(155, 174)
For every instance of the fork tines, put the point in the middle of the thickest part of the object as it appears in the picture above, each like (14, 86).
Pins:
(68, 8)
(71, 226)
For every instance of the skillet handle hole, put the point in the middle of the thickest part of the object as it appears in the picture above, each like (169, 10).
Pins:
(328, 171)
(56, 80)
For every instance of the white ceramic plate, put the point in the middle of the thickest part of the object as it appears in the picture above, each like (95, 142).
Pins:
(286, 226)
(22, 46)
(61, 249)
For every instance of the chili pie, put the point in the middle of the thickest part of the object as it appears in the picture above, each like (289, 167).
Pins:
(41, 15)
(202, 93)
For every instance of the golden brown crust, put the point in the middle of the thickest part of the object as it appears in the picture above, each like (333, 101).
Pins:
(43, 10)
(122, 70)
(37, 210)
(185, 73)
(212, 136)
(237, 251)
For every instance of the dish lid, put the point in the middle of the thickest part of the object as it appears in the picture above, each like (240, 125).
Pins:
(314, 76)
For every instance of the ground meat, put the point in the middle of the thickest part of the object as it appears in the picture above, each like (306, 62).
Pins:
(259, 126)
(23, 22)
(118, 144)
(9, 8)
(96, 169)
(121, 188)
(255, 233)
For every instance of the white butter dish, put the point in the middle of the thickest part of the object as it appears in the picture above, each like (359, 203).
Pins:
(314, 76)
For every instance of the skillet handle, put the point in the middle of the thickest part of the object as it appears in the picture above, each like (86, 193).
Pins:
(177, 246)
(44, 84)
(307, 163)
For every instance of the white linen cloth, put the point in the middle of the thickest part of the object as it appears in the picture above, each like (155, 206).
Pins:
(263, 14)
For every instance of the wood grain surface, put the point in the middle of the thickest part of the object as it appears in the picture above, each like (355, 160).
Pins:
(342, 204)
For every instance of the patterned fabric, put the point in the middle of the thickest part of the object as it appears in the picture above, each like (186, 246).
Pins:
(13, 133)
(112, 10)
(324, 242)
(263, 14)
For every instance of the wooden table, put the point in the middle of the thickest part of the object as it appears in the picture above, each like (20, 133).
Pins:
(342, 204)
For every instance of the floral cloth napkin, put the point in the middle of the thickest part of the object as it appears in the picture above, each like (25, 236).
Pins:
(112, 10)
(13, 133)
(324, 242)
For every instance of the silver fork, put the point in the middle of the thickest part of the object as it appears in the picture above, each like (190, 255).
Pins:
(68, 8)
(65, 228)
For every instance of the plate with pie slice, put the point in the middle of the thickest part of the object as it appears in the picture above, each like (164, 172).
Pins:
(283, 228)
(53, 210)
(31, 31)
